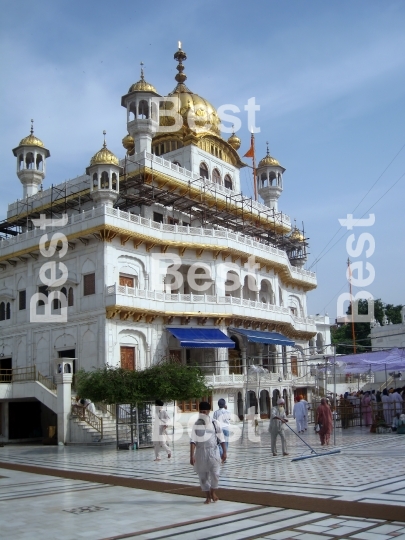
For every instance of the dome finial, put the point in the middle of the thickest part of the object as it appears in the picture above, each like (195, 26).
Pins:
(32, 126)
(180, 56)
(142, 76)
(105, 144)
(268, 151)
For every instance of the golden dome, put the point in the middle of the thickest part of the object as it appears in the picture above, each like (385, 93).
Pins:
(297, 235)
(104, 156)
(129, 144)
(198, 114)
(31, 140)
(142, 85)
(268, 160)
(234, 141)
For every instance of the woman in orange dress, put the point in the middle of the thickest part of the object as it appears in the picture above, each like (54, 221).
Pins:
(325, 421)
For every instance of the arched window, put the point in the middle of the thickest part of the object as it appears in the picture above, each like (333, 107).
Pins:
(280, 296)
(21, 162)
(39, 162)
(64, 291)
(95, 180)
(2, 311)
(114, 181)
(272, 177)
(105, 182)
(70, 297)
(216, 176)
(143, 109)
(29, 160)
(8, 310)
(228, 182)
(203, 170)
(132, 111)
(279, 179)
(263, 178)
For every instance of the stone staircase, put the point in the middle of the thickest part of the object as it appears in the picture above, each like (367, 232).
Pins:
(81, 432)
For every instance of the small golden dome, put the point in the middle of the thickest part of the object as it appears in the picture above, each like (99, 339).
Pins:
(234, 141)
(31, 140)
(104, 156)
(268, 160)
(129, 144)
(142, 85)
(297, 235)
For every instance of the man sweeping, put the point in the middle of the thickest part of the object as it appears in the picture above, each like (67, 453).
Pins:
(204, 453)
(276, 427)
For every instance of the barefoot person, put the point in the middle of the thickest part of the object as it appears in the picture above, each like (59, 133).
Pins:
(160, 436)
(204, 453)
(276, 427)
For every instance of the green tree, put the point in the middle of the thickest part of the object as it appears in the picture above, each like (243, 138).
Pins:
(342, 335)
(167, 381)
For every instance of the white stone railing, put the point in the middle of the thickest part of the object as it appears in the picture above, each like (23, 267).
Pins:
(256, 379)
(173, 229)
(203, 299)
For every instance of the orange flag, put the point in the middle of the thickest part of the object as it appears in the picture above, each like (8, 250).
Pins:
(251, 152)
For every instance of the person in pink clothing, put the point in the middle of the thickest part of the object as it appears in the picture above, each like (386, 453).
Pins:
(367, 409)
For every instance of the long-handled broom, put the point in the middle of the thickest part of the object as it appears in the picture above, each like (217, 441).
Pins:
(313, 453)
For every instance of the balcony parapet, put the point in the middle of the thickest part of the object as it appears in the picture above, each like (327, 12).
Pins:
(219, 239)
(121, 295)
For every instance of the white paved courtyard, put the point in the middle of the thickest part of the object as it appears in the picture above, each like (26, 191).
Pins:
(370, 469)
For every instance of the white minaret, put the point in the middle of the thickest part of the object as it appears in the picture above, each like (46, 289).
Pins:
(31, 155)
(270, 180)
(104, 171)
(142, 113)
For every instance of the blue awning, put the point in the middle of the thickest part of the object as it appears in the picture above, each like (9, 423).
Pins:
(271, 338)
(202, 338)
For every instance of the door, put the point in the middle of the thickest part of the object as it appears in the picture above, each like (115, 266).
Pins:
(294, 366)
(128, 358)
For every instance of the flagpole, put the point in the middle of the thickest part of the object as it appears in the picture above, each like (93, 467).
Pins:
(254, 166)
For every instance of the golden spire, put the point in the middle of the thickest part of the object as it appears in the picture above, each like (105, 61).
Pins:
(180, 55)
(142, 85)
(32, 126)
(104, 156)
(31, 140)
(105, 144)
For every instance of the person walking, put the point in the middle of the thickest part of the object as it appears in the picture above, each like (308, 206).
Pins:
(367, 409)
(223, 417)
(277, 428)
(306, 409)
(388, 404)
(397, 401)
(160, 435)
(325, 421)
(206, 436)
(299, 413)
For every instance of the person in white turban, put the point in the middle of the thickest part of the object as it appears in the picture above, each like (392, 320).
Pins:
(277, 427)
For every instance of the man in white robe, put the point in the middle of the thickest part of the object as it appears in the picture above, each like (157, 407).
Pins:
(397, 401)
(160, 436)
(306, 409)
(299, 413)
(277, 428)
(204, 453)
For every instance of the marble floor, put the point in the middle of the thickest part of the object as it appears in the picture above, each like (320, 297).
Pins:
(369, 468)
(33, 506)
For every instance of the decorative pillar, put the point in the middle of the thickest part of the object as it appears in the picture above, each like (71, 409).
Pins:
(243, 354)
(63, 377)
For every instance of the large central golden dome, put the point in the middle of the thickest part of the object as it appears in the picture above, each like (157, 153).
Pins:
(199, 115)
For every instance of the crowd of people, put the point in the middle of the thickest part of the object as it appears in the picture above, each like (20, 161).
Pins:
(373, 406)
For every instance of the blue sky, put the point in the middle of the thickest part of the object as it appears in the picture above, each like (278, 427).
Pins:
(329, 78)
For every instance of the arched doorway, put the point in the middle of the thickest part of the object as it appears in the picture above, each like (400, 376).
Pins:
(240, 406)
(234, 358)
(286, 401)
(251, 401)
(276, 395)
(264, 404)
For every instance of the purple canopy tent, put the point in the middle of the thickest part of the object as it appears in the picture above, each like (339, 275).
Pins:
(392, 360)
